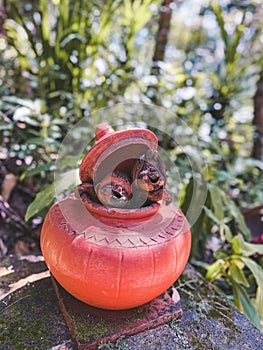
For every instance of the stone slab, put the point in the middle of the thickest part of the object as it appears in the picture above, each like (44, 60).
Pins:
(92, 327)
(209, 321)
(30, 318)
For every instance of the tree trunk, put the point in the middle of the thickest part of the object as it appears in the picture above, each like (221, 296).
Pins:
(258, 120)
(162, 35)
(160, 45)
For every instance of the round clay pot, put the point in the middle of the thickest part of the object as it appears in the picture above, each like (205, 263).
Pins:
(115, 264)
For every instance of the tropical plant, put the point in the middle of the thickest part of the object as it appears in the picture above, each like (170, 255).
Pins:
(237, 265)
(65, 52)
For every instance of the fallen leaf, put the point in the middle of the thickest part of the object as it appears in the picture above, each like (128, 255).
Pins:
(4, 271)
(32, 258)
(24, 281)
(175, 295)
(8, 184)
(3, 248)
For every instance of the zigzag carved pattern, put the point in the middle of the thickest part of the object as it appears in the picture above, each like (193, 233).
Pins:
(126, 240)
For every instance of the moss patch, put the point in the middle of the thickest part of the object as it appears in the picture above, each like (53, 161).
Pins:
(90, 331)
(30, 319)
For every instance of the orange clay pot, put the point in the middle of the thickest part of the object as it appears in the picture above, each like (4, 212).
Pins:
(115, 258)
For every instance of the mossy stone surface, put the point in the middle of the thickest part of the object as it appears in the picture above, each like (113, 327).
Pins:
(30, 317)
(209, 321)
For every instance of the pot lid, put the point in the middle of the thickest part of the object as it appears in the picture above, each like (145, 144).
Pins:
(115, 150)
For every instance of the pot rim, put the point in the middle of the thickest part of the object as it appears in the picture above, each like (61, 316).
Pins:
(99, 210)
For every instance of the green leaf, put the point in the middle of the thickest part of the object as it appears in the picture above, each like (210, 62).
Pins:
(186, 196)
(71, 37)
(64, 12)
(241, 247)
(142, 13)
(43, 142)
(68, 161)
(236, 38)
(43, 199)
(228, 233)
(16, 15)
(216, 270)
(220, 20)
(19, 101)
(224, 175)
(237, 273)
(257, 272)
(221, 254)
(216, 201)
(211, 215)
(37, 170)
(236, 245)
(219, 199)
(15, 34)
(244, 304)
(5, 126)
(135, 14)
(251, 163)
(224, 230)
(236, 213)
(45, 23)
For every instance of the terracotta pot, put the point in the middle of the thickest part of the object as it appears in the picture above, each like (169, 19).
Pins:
(115, 258)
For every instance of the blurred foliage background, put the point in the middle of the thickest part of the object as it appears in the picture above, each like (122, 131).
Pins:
(61, 60)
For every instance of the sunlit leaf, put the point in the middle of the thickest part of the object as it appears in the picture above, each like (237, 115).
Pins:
(216, 270)
(71, 37)
(19, 101)
(20, 20)
(241, 247)
(45, 26)
(237, 274)
(23, 114)
(217, 9)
